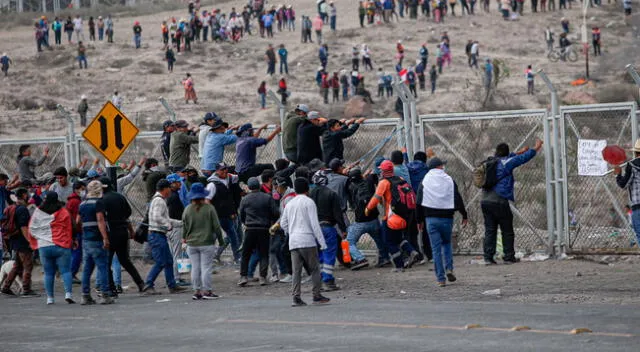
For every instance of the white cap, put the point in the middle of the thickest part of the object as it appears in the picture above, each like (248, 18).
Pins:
(312, 115)
(83, 97)
(303, 108)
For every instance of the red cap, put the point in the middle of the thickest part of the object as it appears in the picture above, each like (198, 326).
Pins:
(386, 166)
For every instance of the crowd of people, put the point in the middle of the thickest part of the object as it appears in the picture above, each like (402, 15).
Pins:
(284, 216)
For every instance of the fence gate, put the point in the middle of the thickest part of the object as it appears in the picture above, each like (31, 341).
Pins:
(595, 220)
(465, 140)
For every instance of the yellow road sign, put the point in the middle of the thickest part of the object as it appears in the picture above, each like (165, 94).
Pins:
(110, 132)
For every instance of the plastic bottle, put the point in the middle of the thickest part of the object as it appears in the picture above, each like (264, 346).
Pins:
(346, 256)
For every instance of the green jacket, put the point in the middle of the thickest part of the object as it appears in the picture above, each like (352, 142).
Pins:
(290, 132)
(180, 148)
(199, 226)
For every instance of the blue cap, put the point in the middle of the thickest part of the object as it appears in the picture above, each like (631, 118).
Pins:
(92, 174)
(244, 130)
(197, 191)
(174, 178)
(210, 116)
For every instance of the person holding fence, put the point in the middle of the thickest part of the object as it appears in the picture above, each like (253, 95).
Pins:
(246, 150)
(496, 198)
(630, 181)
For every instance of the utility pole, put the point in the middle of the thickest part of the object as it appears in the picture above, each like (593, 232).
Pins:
(585, 41)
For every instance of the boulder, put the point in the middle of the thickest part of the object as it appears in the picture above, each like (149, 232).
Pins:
(356, 107)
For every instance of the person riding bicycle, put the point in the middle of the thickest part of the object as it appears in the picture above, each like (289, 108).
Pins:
(564, 44)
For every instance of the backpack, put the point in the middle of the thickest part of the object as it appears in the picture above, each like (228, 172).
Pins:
(8, 226)
(361, 195)
(485, 176)
(403, 198)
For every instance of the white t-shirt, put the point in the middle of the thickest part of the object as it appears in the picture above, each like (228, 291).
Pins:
(77, 24)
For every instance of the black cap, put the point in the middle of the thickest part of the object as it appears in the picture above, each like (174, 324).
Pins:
(79, 184)
(150, 162)
(435, 162)
(106, 182)
(162, 184)
(167, 123)
(280, 181)
(4, 177)
(336, 164)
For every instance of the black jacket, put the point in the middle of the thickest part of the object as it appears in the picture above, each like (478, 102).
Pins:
(328, 204)
(287, 173)
(258, 210)
(226, 199)
(176, 208)
(117, 213)
(308, 142)
(332, 142)
(458, 205)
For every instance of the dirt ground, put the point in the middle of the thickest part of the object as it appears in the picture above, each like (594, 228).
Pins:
(227, 75)
(590, 280)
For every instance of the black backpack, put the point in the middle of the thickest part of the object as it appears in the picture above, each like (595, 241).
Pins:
(403, 198)
(361, 195)
(485, 176)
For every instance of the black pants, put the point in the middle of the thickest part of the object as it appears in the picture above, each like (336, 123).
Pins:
(257, 239)
(355, 64)
(254, 171)
(498, 214)
(412, 89)
(421, 80)
(336, 94)
(596, 47)
(415, 237)
(361, 20)
(366, 62)
(121, 248)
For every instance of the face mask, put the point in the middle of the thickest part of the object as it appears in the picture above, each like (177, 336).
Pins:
(83, 194)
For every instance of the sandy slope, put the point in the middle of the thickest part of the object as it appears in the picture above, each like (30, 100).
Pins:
(227, 75)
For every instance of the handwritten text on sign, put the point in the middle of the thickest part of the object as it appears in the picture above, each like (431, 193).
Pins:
(590, 161)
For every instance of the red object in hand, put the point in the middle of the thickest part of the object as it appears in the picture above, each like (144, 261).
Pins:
(346, 256)
(614, 155)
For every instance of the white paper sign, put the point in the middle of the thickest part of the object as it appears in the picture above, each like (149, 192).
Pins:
(590, 161)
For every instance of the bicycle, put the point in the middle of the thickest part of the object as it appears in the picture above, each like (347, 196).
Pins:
(569, 54)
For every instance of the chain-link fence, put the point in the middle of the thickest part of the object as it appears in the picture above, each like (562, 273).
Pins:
(465, 140)
(9, 150)
(596, 219)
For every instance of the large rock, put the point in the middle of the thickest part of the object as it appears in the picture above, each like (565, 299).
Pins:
(356, 107)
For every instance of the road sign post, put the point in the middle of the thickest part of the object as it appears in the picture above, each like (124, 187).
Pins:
(110, 133)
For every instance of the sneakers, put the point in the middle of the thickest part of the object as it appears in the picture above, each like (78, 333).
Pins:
(105, 300)
(50, 301)
(450, 276)
(305, 279)
(287, 279)
(413, 258)
(176, 289)
(243, 281)
(148, 291)
(512, 261)
(275, 278)
(87, 300)
(68, 298)
(29, 294)
(320, 299)
(490, 262)
(196, 296)
(119, 289)
(8, 292)
(442, 284)
(383, 263)
(329, 286)
(253, 279)
(359, 264)
(210, 296)
(298, 302)
(263, 281)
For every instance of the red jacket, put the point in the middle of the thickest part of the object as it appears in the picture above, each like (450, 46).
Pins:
(73, 206)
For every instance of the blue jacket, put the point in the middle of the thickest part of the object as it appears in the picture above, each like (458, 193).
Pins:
(214, 148)
(504, 171)
(417, 171)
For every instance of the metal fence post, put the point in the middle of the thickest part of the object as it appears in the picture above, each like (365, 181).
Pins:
(71, 152)
(558, 245)
(172, 114)
(281, 111)
(406, 116)
(634, 125)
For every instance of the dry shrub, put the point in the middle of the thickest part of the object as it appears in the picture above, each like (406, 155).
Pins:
(617, 93)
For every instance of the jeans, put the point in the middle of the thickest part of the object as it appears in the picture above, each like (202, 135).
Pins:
(257, 239)
(100, 34)
(137, 39)
(82, 59)
(116, 272)
(229, 227)
(201, 266)
(119, 258)
(498, 214)
(396, 242)
(356, 230)
(332, 22)
(263, 100)
(275, 252)
(328, 256)
(283, 64)
(52, 258)
(163, 260)
(205, 33)
(93, 255)
(440, 236)
(76, 257)
(271, 67)
(254, 260)
(635, 222)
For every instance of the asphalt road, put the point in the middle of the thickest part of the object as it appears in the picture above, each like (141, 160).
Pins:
(270, 324)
